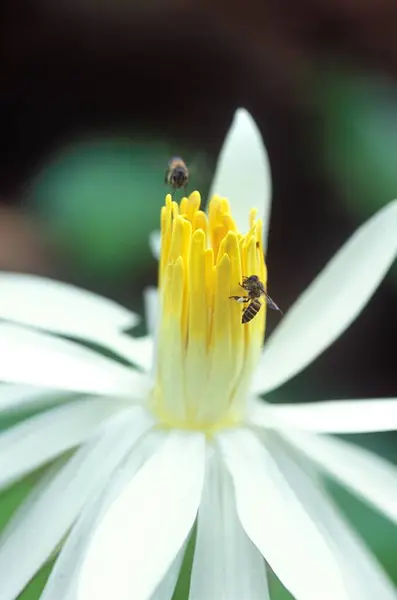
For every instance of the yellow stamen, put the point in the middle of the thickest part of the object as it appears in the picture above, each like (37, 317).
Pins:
(205, 354)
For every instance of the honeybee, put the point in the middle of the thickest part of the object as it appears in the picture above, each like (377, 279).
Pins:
(177, 174)
(256, 290)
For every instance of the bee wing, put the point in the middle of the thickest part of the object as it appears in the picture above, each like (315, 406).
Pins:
(201, 168)
(271, 304)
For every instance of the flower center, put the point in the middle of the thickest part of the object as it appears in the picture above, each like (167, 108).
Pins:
(206, 355)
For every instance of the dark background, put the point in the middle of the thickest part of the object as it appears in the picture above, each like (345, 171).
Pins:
(95, 96)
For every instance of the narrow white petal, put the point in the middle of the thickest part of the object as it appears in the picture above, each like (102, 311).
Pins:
(152, 309)
(139, 537)
(332, 301)
(243, 171)
(226, 563)
(339, 416)
(62, 583)
(41, 438)
(15, 397)
(368, 475)
(37, 359)
(166, 588)
(59, 307)
(155, 243)
(365, 579)
(277, 522)
(44, 519)
(138, 350)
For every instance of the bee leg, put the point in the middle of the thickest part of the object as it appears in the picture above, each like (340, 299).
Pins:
(240, 298)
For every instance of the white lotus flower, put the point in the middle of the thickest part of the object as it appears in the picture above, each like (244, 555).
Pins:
(186, 440)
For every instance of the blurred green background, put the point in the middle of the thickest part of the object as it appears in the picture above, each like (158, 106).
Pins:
(96, 98)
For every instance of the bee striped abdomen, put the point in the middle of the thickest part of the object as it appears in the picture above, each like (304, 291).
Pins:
(251, 311)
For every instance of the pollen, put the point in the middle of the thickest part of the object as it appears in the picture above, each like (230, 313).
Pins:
(205, 354)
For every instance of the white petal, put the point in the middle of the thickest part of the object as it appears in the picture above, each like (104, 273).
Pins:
(278, 523)
(368, 475)
(59, 307)
(166, 588)
(332, 301)
(44, 519)
(143, 531)
(137, 350)
(152, 309)
(243, 172)
(364, 577)
(62, 583)
(339, 416)
(16, 397)
(37, 359)
(155, 243)
(65, 309)
(226, 563)
(41, 438)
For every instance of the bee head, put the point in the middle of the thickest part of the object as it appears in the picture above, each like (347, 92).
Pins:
(251, 279)
(178, 176)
